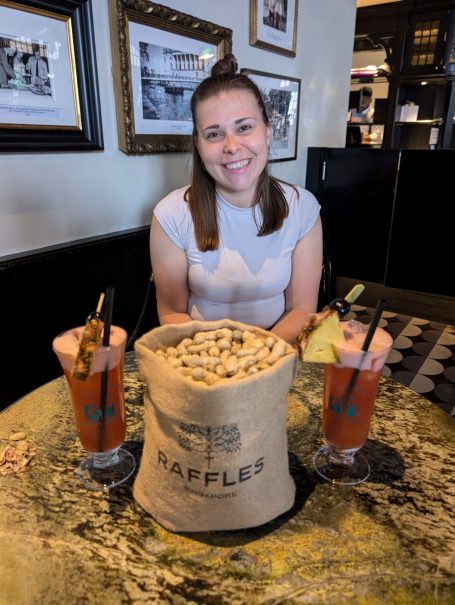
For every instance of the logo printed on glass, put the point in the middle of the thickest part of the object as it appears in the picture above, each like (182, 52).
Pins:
(94, 413)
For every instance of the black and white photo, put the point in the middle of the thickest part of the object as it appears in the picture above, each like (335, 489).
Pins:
(24, 66)
(275, 14)
(273, 25)
(156, 73)
(281, 96)
(168, 79)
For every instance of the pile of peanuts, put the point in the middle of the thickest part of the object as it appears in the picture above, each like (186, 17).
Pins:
(224, 353)
(16, 454)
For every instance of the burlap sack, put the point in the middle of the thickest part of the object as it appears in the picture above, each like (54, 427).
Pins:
(215, 457)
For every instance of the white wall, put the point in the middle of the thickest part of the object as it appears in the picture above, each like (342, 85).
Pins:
(54, 198)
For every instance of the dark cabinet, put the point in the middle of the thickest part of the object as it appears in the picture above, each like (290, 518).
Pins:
(422, 244)
(389, 215)
(355, 188)
(425, 43)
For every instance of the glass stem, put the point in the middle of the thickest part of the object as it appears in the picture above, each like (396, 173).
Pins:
(105, 459)
(343, 457)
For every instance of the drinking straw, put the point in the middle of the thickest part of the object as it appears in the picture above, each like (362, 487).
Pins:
(105, 375)
(365, 345)
(374, 324)
(354, 294)
(100, 303)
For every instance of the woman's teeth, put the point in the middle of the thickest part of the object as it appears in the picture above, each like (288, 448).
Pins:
(237, 165)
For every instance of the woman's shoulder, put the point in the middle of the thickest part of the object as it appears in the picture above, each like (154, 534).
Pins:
(174, 197)
(173, 202)
(296, 194)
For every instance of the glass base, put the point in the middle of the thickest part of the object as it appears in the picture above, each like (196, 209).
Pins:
(348, 471)
(105, 470)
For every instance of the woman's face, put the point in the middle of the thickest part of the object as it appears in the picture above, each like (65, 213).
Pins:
(233, 140)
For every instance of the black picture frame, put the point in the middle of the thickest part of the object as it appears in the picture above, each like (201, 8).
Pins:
(156, 22)
(281, 95)
(89, 136)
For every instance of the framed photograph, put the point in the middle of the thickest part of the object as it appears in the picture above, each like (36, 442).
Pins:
(273, 25)
(49, 98)
(282, 99)
(159, 57)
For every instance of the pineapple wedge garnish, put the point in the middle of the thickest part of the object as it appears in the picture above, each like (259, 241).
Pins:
(316, 340)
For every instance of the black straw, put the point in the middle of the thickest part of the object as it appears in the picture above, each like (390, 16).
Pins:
(365, 346)
(108, 308)
(374, 324)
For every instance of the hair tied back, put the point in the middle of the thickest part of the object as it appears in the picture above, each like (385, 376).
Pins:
(226, 66)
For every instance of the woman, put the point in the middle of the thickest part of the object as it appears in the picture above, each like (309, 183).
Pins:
(236, 243)
(6, 71)
(19, 71)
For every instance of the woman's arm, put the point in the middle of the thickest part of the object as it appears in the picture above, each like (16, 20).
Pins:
(303, 289)
(170, 274)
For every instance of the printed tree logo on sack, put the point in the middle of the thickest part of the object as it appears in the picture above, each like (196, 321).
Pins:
(211, 440)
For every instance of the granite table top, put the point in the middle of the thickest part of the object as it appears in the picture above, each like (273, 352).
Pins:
(390, 540)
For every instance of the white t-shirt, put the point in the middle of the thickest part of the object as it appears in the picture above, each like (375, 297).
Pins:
(245, 279)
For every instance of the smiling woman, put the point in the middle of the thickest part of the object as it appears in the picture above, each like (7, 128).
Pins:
(236, 243)
(234, 149)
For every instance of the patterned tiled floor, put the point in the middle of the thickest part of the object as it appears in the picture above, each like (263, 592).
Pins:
(422, 357)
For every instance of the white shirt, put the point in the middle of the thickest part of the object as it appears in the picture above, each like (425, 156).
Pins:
(246, 277)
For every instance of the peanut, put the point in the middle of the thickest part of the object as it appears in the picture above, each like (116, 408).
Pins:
(224, 353)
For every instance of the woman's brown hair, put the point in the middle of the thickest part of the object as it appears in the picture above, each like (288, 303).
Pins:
(201, 195)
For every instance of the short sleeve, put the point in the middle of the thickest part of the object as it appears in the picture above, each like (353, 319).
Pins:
(305, 210)
(173, 215)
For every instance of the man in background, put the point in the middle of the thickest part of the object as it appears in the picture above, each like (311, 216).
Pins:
(37, 68)
(365, 111)
(6, 71)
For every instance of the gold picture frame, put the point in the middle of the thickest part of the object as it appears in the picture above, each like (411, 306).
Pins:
(273, 25)
(159, 56)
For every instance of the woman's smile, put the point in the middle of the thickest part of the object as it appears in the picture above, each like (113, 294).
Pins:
(238, 165)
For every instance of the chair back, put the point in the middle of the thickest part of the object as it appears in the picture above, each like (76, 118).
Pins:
(148, 316)
(327, 286)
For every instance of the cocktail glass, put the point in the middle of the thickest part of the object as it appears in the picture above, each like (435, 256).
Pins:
(350, 388)
(99, 408)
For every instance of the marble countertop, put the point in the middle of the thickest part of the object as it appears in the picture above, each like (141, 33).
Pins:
(390, 540)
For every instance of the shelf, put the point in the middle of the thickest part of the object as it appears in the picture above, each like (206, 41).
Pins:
(436, 122)
(366, 123)
(369, 77)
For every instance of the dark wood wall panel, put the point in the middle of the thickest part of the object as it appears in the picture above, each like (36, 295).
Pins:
(355, 189)
(389, 216)
(422, 251)
(53, 289)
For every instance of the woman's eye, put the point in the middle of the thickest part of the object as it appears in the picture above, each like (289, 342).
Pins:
(212, 135)
(245, 128)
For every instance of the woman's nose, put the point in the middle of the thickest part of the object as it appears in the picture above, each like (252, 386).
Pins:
(230, 143)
